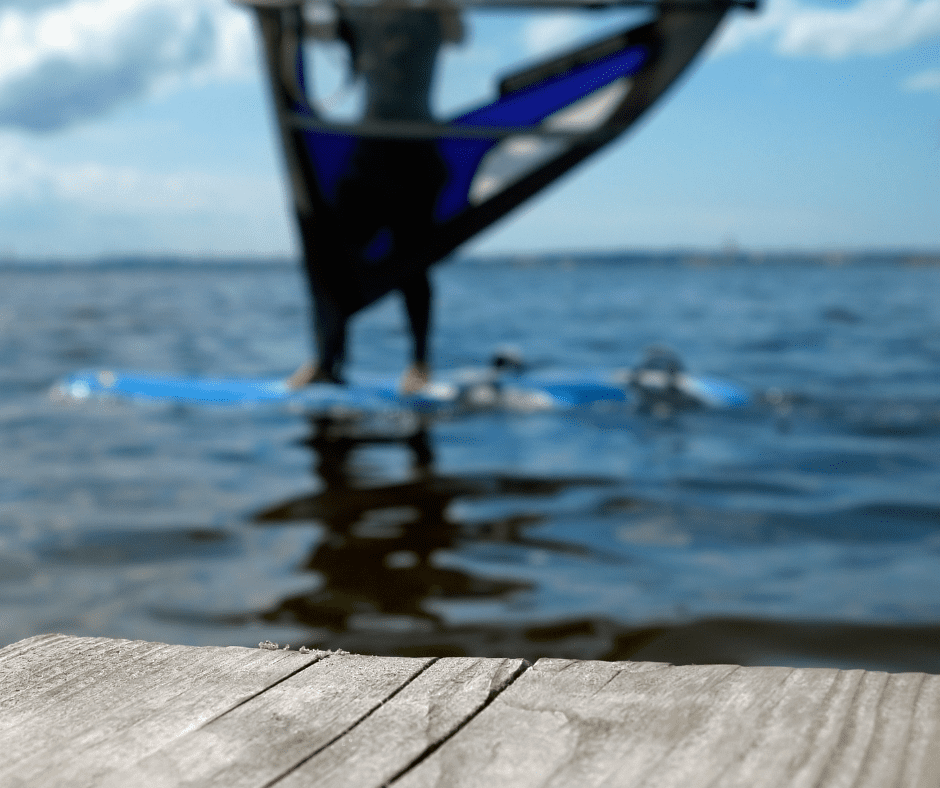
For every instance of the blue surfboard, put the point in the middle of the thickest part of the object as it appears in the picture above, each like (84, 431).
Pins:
(361, 394)
(468, 389)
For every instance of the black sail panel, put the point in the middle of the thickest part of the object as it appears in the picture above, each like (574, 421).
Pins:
(380, 200)
(662, 50)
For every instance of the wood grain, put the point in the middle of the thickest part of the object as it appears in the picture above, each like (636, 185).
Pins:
(566, 723)
(258, 742)
(418, 718)
(97, 712)
(74, 709)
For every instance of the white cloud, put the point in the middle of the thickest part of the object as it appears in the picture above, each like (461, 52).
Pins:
(924, 81)
(64, 62)
(87, 208)
(869, 27)
(28, 177)
(547, 33)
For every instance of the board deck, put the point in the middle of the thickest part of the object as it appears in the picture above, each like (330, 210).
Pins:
(467, 389)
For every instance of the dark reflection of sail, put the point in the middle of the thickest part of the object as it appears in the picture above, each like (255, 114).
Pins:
(388, 580)
(377, 559)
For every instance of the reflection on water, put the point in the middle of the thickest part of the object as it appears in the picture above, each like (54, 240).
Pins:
(383, 582)
(380, 576)
(802, 531)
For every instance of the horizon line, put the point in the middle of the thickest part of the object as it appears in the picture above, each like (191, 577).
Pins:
(831, 255)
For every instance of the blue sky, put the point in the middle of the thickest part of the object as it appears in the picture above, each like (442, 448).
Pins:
(142, 127)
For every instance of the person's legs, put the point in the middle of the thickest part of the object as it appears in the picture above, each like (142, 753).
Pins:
(330, 324)
(417, 295)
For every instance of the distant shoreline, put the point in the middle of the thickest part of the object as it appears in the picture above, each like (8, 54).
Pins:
(619, 257)
(693, 257)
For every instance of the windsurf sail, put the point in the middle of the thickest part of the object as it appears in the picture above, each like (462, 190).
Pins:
(433, 184)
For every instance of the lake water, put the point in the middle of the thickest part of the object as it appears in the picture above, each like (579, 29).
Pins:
(804, 530)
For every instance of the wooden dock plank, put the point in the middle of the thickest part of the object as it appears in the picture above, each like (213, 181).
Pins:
(566, 723)
(96, 704)
(418, 718)
(90, 711)
(36, 673)
(260, 741)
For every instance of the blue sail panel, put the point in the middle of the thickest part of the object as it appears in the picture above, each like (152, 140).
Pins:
(524, 108)
(330, 154)
(536, 102)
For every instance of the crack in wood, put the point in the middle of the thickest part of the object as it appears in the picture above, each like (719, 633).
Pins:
(318, 658)
(432, 748)
(354, 725)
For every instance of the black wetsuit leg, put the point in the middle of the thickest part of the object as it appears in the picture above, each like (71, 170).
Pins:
(329, 292)
(417, 294)
(330, 323)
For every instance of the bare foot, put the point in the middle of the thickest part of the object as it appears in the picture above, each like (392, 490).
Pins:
(302, 377)
(416, 377)
(308, 373)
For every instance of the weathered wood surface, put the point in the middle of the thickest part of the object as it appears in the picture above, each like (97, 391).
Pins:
(91, 711)
(73, 709)
(570, 723)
